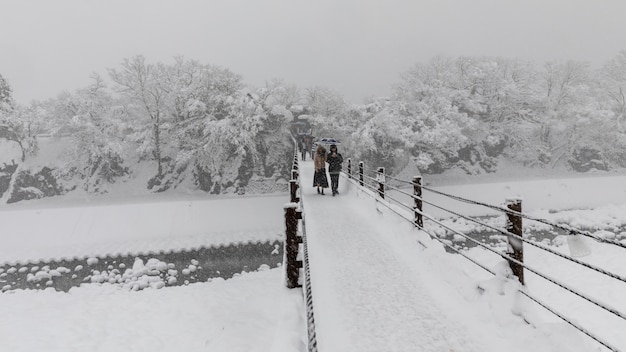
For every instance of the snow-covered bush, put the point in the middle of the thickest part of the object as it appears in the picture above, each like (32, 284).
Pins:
(28, 185)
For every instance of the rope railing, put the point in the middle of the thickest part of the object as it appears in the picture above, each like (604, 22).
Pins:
(363, 174)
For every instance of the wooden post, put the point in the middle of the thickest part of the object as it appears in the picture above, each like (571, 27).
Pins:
(515, 247)
(380, 177)
(361, 165)
(417, 192)
(293, 188)
(292, 244)
(349, 168)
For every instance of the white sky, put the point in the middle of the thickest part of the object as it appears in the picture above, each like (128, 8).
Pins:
(357, 47)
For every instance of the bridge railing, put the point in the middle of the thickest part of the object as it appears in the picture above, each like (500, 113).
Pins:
(296, 260)
(375, 183)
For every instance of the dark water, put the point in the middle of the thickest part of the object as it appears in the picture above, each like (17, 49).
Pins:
(160, 269)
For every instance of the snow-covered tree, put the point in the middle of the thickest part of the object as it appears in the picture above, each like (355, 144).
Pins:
(225, 152)
(198, 90)
(325, 101)
(613, 84)
(6, 96)
(17, 123)
(331, 114)
(565, 82)
(278, 92)
(495, 89)
(95, 124)
(22, 124)
(146, 87)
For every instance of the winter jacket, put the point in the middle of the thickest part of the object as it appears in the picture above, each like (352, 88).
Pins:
(334, 163)
(319, 160)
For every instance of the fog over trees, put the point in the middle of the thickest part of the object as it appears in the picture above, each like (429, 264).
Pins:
(199, 125)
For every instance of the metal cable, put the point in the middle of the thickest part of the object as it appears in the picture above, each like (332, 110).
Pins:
(356, 183)
(576, 326)
(381, 201)
(545, 306)
(370, 186)
(355, 177)
(375, 172)
(530, 269)
(369, 177)
(535, 271)
(504, 232)
(532, 243)
(571, 230)
(399, 179)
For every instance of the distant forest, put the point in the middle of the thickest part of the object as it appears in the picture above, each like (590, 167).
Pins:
(200, 124)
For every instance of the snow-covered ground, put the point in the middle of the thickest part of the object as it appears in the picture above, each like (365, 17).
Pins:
(254, 312)
(57, 227)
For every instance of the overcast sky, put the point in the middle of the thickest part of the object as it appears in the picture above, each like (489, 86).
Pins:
(357, 47)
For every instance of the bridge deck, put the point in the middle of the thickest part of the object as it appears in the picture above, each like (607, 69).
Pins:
(366, 296)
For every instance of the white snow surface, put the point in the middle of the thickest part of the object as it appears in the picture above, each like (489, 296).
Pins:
(254, 312)
(45, 229)
(375, 287)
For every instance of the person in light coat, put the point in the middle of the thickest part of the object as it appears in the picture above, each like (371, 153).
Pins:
(319, 178)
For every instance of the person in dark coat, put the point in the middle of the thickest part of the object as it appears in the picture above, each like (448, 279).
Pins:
(334, 161)
(306, 147)
(303, 149)
(319, 178)
(311, 147)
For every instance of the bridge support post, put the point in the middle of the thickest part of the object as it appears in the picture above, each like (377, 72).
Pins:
(417, 192)
(515, 248)
(293, 188)
(292, 245)
(349, 168)
(295, 173)
(361, 165)
(380, 177)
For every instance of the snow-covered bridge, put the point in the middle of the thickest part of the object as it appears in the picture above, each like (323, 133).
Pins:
(377, 283)
(366, 297)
